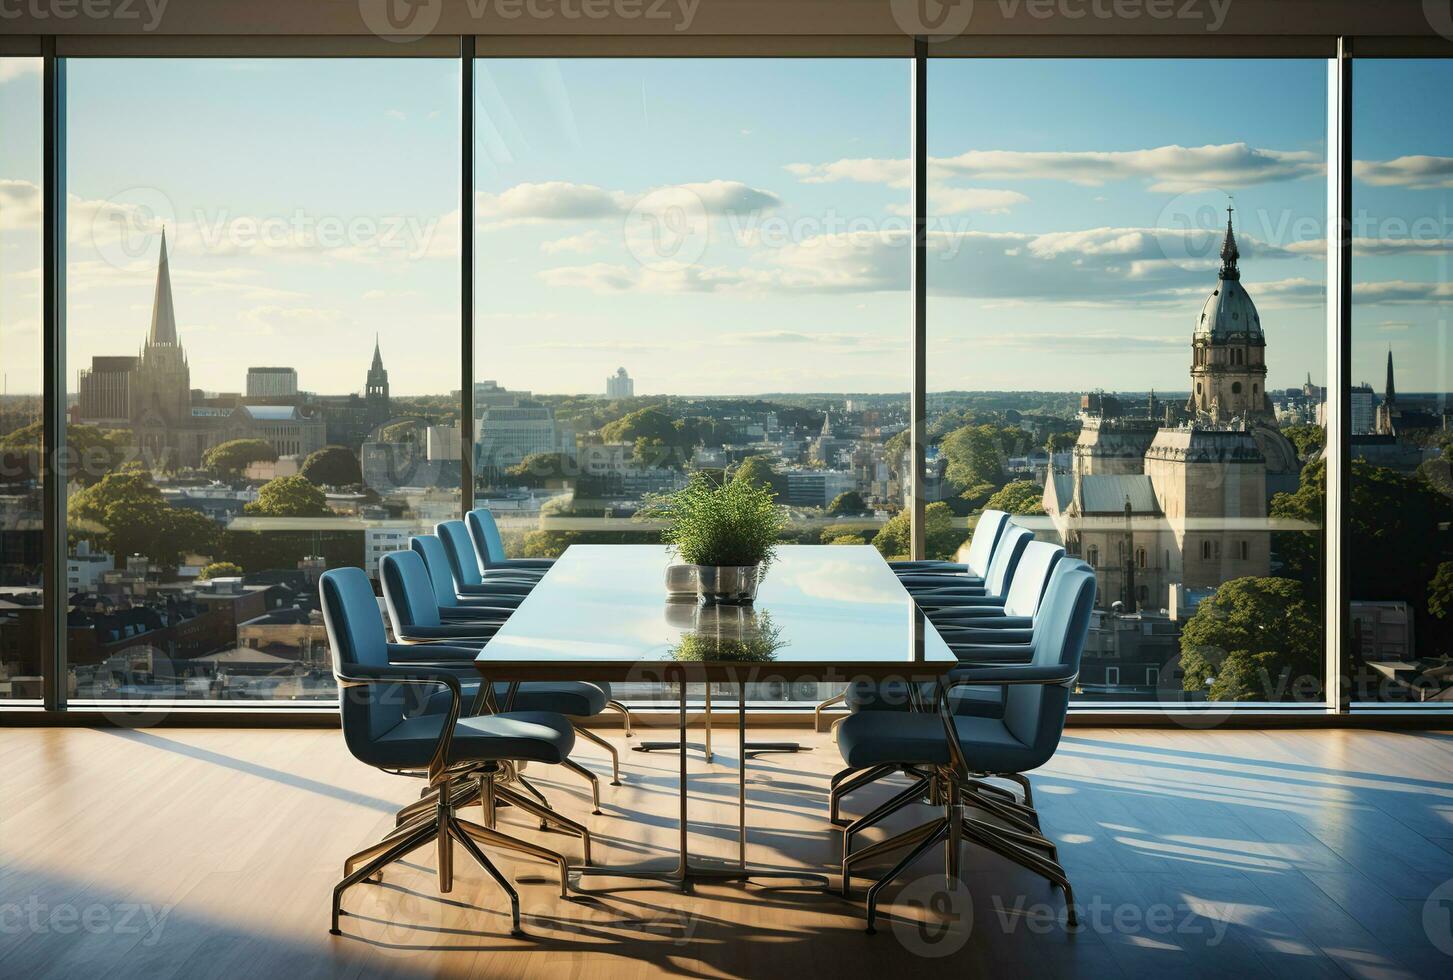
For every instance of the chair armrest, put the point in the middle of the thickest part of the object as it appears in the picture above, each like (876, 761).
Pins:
(484, 615)
(480, 631)
(977, 653)
(497, 587)
(357, 675)
(989, 623)
(1043, 674)
(543, 564)
(490, 599)
(950, 613)
(994, 639)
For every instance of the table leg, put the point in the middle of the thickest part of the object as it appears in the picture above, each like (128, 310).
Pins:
(752, 748)
(686, 872)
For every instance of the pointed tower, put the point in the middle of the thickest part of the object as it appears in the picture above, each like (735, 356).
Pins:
(163, 315)
(1228, 349)
(375, 391)
(1388, 415)
(161, 403)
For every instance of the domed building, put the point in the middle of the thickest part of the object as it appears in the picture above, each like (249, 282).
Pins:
(1228, 357)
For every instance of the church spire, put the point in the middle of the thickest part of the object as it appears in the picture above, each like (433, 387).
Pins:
(1390, 392)
(377, 356)
(163, 316)
(1229, 252)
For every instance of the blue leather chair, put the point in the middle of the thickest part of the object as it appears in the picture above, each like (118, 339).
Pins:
(386, 723)
(409, 596)
(981, 549)
(490, 547)
(464, 565)
(942, 587)
(436, 560)
(956, 753)
(968, 617)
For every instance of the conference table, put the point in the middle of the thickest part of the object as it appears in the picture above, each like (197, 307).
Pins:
(825, 613)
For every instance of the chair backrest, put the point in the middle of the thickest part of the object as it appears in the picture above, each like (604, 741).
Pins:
(1031, 577)
(1006, 559)
(986, 538)
(436, 563)
(463, 563)
(408, 594)
(356, 636)
(1035, 713)
(485, 533)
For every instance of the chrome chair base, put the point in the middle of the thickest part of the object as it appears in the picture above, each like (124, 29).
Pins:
(625, 714)
(440, 824)
(1016, 837)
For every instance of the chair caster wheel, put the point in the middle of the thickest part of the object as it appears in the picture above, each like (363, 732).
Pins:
(596, 812)
(544, 825)
(517, 933)
(615, 782)
(870, 931)
(335, 932)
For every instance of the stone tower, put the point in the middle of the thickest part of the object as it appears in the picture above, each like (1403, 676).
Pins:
(1228, 358)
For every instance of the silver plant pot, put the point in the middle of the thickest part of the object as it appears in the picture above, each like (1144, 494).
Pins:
(731, 585)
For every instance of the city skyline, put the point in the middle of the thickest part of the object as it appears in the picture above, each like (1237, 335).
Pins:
(571, 153)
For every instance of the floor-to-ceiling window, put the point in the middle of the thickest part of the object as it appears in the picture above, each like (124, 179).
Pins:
(691, 266)
(20, 379)
(1126, 347)
(262, 336)
(1401, 506)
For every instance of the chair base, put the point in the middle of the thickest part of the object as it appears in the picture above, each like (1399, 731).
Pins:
(441, 825)
(1017, 838)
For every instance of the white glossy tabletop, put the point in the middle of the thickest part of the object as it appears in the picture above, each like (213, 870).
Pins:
(824, 612)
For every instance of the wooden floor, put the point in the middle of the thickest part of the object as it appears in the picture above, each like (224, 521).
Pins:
(201, 853)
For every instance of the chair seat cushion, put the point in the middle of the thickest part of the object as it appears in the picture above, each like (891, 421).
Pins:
(576, 698)
(874, 738)
(865, 695)
(533, 736)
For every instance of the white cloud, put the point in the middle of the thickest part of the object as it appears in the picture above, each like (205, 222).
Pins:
(565, 201)
(587, 241)
(16, 67)
(1167, 168)
(1419, 172)
(1396, 292)
(19, 203)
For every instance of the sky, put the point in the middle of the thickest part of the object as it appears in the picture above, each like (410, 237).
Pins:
(725, 226)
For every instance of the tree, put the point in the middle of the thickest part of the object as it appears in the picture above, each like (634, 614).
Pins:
(228, 460)
(1018, 497)
(941, 538)
(849, 502)
(125, 514)
(1251, 640)
(91, 452)
(220, 569)
(332, 466)
(1440, 591)
(1308, 439)
(758, 470)
(975, 458)
(289, 496)
(1059, 442)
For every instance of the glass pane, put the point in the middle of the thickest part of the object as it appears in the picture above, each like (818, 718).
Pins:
(21, 561)
(1402, 369)
(681, 271)
(263, 323)
(1134, 375)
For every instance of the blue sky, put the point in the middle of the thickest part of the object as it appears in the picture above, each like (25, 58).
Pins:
(726, 226)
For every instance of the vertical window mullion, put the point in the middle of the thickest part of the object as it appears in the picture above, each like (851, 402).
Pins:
(918, 288)
(53, 399)
(1339, 401)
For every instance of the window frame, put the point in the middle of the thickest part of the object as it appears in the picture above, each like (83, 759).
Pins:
(1337, 50)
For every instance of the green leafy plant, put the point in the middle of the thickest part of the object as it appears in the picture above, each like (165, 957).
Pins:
(756, 644)
(713, 523)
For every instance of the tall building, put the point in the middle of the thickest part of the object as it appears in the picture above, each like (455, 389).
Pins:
(1388, 414)
(1228, 355)
(272, 382)
(1155, 507)
(620, 385)
(375, 390)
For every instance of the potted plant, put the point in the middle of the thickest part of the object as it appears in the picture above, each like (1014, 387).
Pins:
(724, 534)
